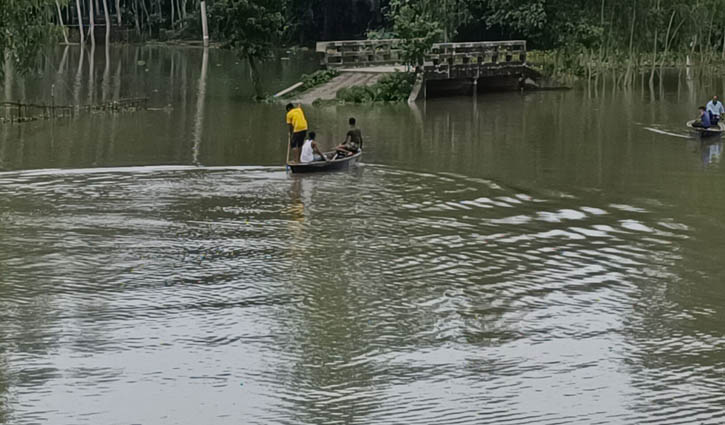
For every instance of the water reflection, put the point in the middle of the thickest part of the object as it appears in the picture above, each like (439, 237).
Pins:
(4, 390)
(711, 152)
(201, 98)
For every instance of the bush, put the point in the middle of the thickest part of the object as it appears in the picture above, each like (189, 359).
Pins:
(318, 77)
(391, 88)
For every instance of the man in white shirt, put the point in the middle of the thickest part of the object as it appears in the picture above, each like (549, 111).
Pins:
(310, 151)
(715, 109)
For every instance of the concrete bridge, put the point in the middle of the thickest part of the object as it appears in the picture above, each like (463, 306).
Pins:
(449, 68)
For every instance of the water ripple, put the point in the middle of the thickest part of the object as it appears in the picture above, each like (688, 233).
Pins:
(147, 292)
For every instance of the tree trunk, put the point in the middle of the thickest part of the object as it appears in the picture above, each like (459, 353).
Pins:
(60, 22)
(108, 22)
(628, 73)
(172, 13)
(667, 42)
(204, 25)
(654, 52)
(604, 34)
(135, 17)
(118, 13)
(710, 50)
(148, 18)
(91, 22)
(80, 21)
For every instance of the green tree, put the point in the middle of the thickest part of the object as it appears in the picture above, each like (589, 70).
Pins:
(252, 28)
(416, 26)
(25, 27)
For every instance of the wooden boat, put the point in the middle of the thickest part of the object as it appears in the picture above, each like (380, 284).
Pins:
(320, 166)
(715, 130)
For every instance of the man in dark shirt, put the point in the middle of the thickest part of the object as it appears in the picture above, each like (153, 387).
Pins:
(353, 140)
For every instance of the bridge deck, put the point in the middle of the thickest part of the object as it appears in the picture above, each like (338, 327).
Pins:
(364, 62)
(328, 91)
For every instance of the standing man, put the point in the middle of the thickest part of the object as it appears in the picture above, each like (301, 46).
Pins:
(297, 129)
(715, 109)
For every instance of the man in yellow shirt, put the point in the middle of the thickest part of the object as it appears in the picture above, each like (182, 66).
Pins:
(297, 129)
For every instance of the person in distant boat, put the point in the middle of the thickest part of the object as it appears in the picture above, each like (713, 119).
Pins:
(297, 124)
(310, 151)
(715, 109)
(704, 119)
(353, 140)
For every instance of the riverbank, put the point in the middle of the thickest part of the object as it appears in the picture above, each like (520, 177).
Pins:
(625, 67)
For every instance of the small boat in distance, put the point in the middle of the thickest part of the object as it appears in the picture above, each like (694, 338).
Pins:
(715, 130)
(319, 166)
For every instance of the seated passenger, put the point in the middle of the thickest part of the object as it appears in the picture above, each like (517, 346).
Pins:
(704, 121)
(353, 140)
(715, 108)
(310, 151)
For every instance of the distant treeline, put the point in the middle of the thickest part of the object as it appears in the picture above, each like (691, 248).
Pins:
(546, 24)
(605, 30)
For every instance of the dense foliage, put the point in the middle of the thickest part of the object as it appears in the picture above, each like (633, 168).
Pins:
(546, 24)
(24, 25)
(318, 77)
(416, 25)
(602, 31)
(391, 88)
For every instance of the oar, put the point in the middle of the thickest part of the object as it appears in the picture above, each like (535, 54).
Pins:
(289, 142)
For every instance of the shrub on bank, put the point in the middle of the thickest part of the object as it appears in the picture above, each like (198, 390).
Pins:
(391, 88)
(318, 77)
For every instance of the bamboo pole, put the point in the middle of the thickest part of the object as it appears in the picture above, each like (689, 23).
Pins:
(289, 142)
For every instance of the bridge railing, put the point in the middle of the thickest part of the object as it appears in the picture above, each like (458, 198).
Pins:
(458, 60)
(441, 58)
(357, 53)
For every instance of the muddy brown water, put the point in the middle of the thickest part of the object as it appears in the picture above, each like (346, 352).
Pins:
(547, 258)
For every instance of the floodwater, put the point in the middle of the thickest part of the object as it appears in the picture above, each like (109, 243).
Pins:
(545, 258)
